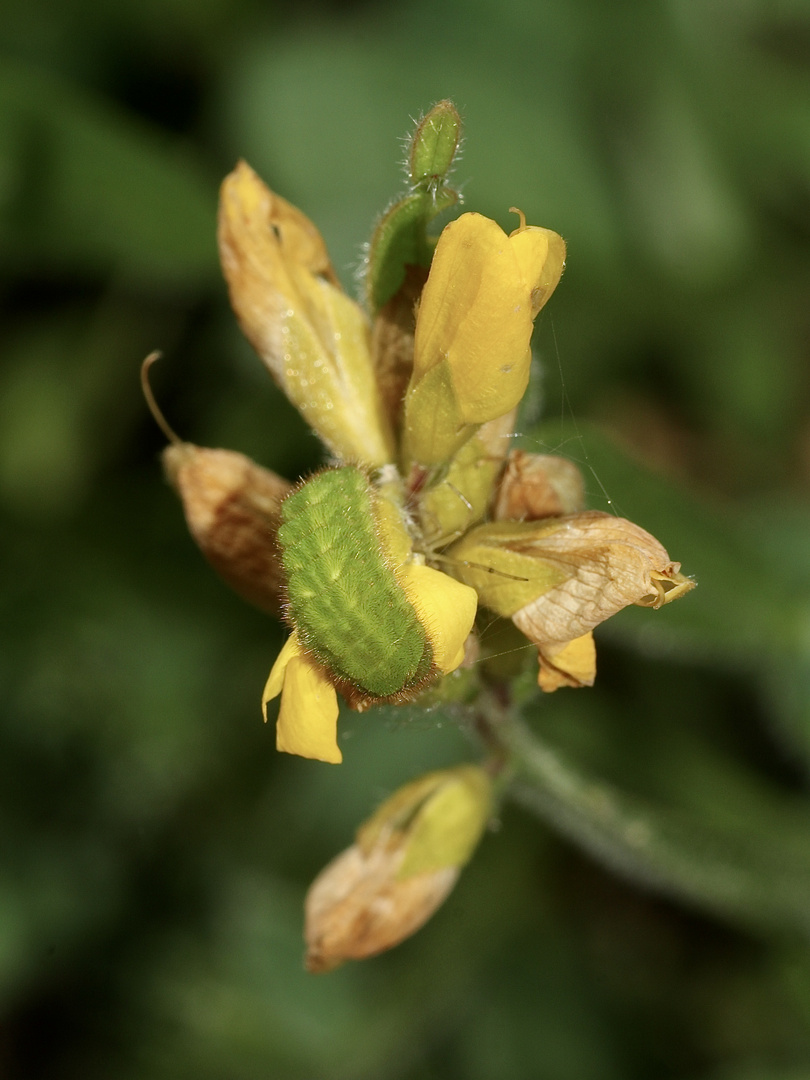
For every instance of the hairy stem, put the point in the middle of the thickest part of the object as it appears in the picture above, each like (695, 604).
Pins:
(659, 847)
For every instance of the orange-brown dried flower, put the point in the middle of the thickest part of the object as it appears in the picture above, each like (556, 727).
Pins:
(232, 507)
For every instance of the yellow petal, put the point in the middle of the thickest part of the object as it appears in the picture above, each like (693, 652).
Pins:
(292, 231)
(446, 608)
(471, 347)
(307, 719)
(476, 313)
(570, 663)
(275, 680)
(540, 253)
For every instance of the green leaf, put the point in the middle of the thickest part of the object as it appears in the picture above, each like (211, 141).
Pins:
(400, 240)
(760, 878)
(400, 237)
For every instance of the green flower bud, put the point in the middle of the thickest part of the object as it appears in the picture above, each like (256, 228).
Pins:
(434, 145)
(400, 238)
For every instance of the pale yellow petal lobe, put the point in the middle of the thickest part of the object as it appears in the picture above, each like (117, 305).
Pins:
(472, 343)
(307, 719)
(569, 663)
(446, 608)
(275, 680)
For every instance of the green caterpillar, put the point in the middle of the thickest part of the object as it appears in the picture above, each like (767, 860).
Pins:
(343, 596)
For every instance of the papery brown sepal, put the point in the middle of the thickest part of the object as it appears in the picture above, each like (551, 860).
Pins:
(232, 507)
(535, 486)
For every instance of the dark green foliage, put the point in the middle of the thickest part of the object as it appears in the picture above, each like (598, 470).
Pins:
(155, 848)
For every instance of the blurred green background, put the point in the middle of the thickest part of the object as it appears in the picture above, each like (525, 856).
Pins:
(155, 849)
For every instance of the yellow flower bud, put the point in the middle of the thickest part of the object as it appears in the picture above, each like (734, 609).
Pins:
(404, 863)
(311, 336)
(461, 496)
(472, 344)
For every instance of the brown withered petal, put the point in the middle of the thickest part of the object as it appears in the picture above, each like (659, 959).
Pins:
(232, 510)
(357, 907)
(610, 563)
(567, 663)
(535, 486)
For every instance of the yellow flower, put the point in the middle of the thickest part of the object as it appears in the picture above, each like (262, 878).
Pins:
(307, 720)
(471, 351)
(417, 412)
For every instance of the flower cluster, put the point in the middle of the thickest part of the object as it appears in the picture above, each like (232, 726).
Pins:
(380, 562)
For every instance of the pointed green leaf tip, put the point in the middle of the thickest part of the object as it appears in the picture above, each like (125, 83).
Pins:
(434, 145)
(344, 599)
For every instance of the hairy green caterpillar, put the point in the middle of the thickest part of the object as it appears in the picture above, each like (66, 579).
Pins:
(344, 598)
